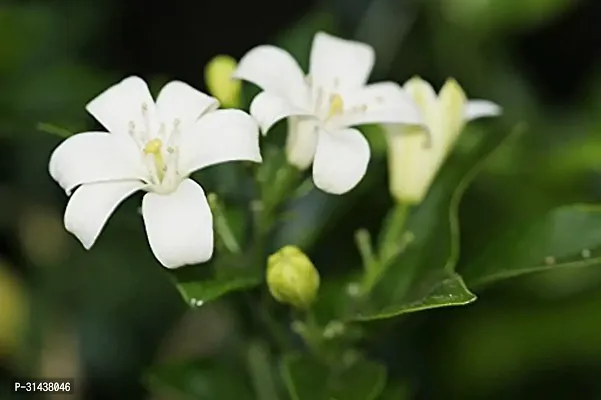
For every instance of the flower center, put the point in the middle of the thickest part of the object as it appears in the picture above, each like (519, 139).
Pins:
(151, 136)
(154, 148)
(336, 105)
(328, 103)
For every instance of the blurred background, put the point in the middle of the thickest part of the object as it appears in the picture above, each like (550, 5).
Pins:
(105, 316)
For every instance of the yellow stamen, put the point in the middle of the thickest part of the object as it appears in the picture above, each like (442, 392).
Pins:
(154, 147)
(336, 105)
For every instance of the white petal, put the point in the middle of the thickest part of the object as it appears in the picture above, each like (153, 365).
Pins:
(275, 70)
(121, 104)
(339, 63)
(92, 204)
(95, 157)
(178, 100)
(412, 163)
(301, 141)
(481, 108)
(340, 161)
(424, 96)
(379, 103)
(267, 109)
(179, 225)
(217, 137)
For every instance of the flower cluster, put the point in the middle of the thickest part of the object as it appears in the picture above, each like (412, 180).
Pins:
(154, 146)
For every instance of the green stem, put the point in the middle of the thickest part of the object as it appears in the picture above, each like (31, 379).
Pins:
(393, 230)
(277, 332)
(363, 242)
(392, 243)
(272, 195)
(54, 130)
(311, 333)
(259, 368)
(222, 227)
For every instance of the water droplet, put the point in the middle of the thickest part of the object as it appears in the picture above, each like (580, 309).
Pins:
(353, 289)
(196, 303)
(550, 260)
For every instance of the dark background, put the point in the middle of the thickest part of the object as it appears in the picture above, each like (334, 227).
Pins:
(104, 316)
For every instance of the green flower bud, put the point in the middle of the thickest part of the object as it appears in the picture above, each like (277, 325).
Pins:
(292, 278)
(218, 77)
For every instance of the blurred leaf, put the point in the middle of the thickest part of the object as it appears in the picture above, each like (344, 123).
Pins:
(423, 276)
(307, 379)
(503, 15)
(375, 136)
(396, 391)
(200, 380)
(299, 38)
(568, 236)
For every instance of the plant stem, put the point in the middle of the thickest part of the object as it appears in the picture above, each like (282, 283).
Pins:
(259, 368)
(393, 229)
(391, 245)
(222, 226)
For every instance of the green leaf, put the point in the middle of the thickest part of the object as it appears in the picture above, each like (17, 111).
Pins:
(201, 379)
(308, 379)
(197, 293)
(228, 272)
(423, 276)
(566, 237)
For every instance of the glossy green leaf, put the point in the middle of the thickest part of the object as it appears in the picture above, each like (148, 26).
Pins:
(199, 380)
(197, 293)
(227, 273)
(308, 379)
(568, 236)
(423, 276)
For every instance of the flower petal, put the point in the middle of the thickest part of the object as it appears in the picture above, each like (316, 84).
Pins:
(178, 100)
(412, 165)
(92, 204)
(340, 161)
(95, 157)
(267, 109)
(424, 96)
(481, 108)
(451, 103)
(339, 63)
(217, 137)
(179, 225)
(275, 70)
(123, 103)
(301, 141)
(379, 103)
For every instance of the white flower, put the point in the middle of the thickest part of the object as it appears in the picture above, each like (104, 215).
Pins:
(152, 147)
(323, 105)
(414, 159)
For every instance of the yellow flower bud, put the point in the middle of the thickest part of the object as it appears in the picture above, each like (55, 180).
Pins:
(218, 77)
(416, 153)
(292, 278)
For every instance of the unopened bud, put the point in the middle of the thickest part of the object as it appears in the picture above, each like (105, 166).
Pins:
(218, 77)
(292, 278)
